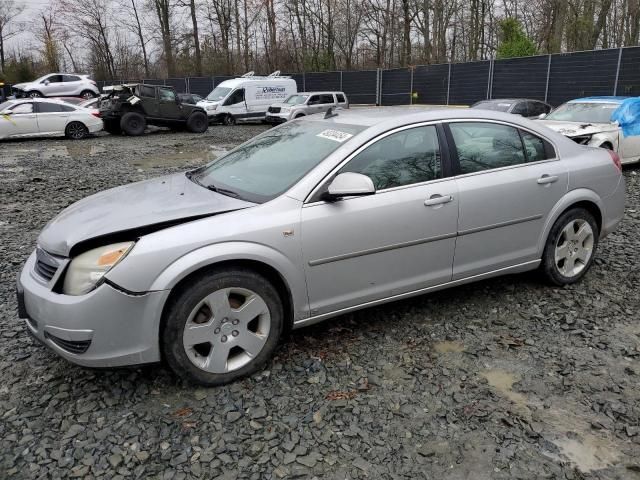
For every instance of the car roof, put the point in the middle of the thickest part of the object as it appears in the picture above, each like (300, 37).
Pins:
(318, 92)
(603, 99)
(370, 116)
(501, 100)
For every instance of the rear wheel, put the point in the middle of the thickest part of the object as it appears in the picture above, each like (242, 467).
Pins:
(76, 131)
(570, 247)
(198, 122)
(133, 124)
(229, 120)
(222, 326)
(87, 94)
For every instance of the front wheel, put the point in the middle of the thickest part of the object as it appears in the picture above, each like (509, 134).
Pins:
(570, 247)
(34, 94)
(76, 131)
(229, 120)
(197, 122)
(88, 94)
(222, 326)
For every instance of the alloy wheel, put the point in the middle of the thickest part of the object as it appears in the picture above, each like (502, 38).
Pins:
(574, 248)
(226, 330)
(76, 131)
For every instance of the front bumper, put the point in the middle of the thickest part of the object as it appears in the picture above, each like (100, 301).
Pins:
(104, 328)
(274, 118)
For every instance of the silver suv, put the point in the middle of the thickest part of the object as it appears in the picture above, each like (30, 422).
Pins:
(58, 85)
(305, 103)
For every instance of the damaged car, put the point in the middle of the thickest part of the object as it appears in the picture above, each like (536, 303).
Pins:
(589, 121)
(130, 108)
(310, 220)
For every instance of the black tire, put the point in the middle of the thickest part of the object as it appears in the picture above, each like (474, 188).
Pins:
(197, 122)
(300, 115)
(133, 124)
(76, 131)
(187, 298)
(229, 119)
(550, 267)
(34, 94)
(112, 127)
(87, 94)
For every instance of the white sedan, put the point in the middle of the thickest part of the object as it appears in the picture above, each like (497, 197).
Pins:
(39, 117)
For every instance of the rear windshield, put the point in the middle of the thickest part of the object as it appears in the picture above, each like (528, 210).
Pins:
(218, 94)
(270, 164)
(496, 106)
(583, 112)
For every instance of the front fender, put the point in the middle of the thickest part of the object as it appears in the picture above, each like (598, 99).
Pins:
(570, 198)
(598, 139)
(209, 255)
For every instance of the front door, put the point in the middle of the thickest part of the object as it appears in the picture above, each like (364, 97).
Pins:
(20, 121)
(169, 106)
(52, 86)
(508, 181)
(236, 105)
(398, 240)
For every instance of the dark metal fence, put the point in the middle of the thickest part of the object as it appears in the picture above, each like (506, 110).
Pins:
(552, 78)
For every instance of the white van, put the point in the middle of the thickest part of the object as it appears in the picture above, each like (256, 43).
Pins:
(247, 98)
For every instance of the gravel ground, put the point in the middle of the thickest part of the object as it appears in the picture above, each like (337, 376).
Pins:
(506, 378)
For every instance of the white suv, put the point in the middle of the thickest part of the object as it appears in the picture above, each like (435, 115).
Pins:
(58, 85)
(305, 103)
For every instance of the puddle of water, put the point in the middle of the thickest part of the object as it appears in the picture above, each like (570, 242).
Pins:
(448, 346)
(502, 381)
(588, 453)
(180, 156)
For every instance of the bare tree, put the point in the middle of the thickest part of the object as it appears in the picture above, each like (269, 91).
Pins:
(9, 10)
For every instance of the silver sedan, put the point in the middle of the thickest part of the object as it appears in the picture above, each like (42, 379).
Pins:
(310, 220)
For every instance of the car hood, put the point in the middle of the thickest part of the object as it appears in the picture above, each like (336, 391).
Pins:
(572, 129)
(282, 105)
(133, 210)
(20, 86)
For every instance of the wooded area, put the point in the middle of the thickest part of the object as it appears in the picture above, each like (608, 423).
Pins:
(158, 38)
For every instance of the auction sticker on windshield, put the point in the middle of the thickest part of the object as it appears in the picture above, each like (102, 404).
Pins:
(335, 135)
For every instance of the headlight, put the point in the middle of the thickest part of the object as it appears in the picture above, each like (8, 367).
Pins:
(87, 270)
(285, 109)
(212, 107)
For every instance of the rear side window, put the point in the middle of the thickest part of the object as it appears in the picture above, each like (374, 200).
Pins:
(536, 148)
(341, 98)
(484, 146)
(70, 78)
(402, 158)
(520, 108)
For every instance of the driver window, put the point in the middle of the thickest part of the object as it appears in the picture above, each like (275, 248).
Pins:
(314, 100)
(236, 97)
(167, 95)
(53, 79)
(483, 146)
(402, 158)
(23, 108)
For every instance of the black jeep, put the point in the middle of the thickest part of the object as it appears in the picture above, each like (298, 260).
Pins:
(130, 108)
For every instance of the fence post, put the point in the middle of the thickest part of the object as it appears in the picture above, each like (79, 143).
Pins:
(489, 79)
(411, 87)
(615, 87)
(546, 87)
(340, 80)
(448, 83)
(187, 84)
(377, 86)
(304, 82)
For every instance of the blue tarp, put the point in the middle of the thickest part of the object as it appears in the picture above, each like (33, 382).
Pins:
(628, 116)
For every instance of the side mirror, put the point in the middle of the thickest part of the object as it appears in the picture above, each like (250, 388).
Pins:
(541, 116)
(350, 184)
(47, 82)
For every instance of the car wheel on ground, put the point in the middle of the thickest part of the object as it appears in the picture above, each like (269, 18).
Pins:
(197, 122)
(34, 94)
(133, 124)
(88, 94)
(76, 131)
(229, 120)
(570, 247)
(221, 326)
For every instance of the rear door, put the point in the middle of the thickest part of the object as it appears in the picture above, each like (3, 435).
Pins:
(21, 121)
(508, 179)
(53, 117)
(398, 240)
(71, 85)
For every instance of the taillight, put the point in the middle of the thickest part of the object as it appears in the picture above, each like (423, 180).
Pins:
(96, 113)
(93, 83)
(616, 160)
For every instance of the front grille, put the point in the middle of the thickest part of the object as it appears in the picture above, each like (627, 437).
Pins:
(71, 346)
(274, 110)
(46, 265)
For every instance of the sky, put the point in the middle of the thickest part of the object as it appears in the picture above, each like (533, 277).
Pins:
(25, 37)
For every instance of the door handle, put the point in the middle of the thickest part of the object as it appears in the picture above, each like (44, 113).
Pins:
(437, 200)
(545, 179)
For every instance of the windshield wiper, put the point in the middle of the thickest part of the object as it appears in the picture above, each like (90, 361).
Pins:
(223, 191)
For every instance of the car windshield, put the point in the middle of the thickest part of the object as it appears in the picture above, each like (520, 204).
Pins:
(583, 112)
(270, 164)
(218, 94)
(296, 99)
(496, 106)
